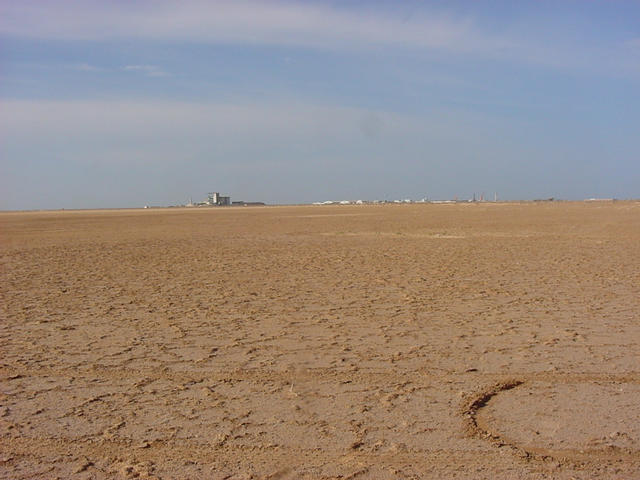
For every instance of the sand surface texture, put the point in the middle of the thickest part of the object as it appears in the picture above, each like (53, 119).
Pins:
(370, 342)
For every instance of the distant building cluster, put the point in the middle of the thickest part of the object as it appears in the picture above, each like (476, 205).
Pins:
(474, 199)
(214, 199)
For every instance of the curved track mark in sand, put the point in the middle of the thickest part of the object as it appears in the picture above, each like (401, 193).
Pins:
(476, 425)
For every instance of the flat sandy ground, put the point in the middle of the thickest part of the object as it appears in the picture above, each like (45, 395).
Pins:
(394, 341)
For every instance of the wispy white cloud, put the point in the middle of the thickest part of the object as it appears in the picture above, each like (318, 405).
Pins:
(316, 25)
(633, 43)
(102, 126)
(124, 119)
(148, 70)
(86, 67)
(259, 22)
(235, 21)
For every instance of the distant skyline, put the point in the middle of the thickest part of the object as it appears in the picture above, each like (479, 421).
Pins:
(125, 104)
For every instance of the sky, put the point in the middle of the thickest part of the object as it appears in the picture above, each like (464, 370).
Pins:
(130, 103)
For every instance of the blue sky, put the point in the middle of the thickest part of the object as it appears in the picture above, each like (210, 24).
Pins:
(122, 104)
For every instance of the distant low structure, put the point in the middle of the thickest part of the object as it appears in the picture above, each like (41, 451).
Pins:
(214, 199)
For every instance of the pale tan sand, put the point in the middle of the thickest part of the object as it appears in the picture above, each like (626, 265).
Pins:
(369, 342)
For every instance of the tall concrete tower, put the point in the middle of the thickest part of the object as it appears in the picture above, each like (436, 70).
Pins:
(213, 198)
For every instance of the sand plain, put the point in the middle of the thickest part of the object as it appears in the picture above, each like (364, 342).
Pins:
(492, 341)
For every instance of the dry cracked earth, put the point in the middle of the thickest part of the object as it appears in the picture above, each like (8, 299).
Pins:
(480, 341)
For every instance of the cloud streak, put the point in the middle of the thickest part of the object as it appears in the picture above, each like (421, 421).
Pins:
(181, 122)
(86, 67)
(148, 70)
(311, 25)
(225, 21)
